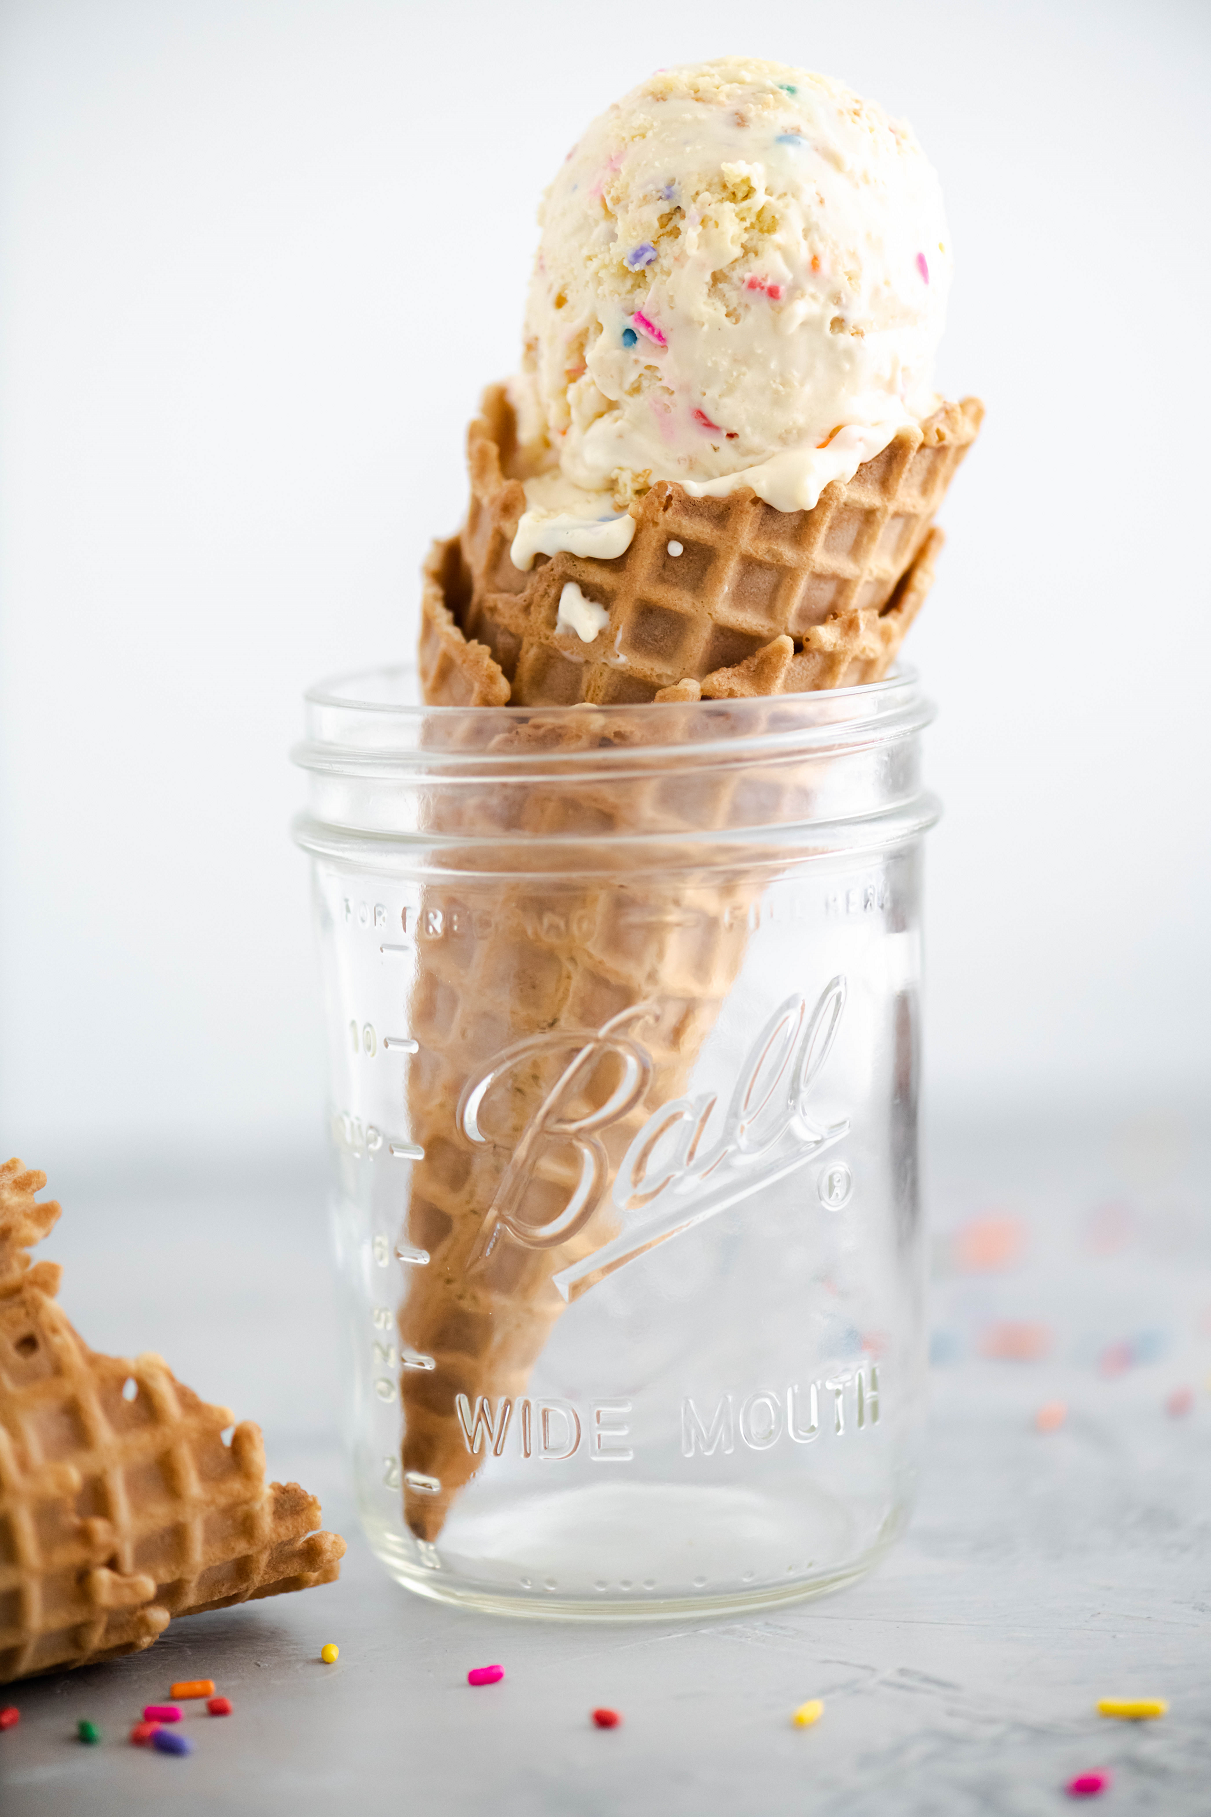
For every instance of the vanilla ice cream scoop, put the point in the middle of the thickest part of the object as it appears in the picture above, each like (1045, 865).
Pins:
(741, 281)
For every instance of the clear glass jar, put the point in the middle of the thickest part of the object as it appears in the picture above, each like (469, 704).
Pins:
(623, 1028)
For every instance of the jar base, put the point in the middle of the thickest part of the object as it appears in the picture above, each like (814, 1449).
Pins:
(438, 1575)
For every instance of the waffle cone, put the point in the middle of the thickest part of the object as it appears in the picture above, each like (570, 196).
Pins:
(117, 1514)
(760, 602)
(842, 582)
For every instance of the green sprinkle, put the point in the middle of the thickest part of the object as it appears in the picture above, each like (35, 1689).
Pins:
(787, 88)
(89, 1732)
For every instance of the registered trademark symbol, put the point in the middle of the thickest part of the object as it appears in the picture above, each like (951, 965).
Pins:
(835, 1185)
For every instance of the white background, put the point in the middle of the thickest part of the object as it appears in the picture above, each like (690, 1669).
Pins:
(257, 261)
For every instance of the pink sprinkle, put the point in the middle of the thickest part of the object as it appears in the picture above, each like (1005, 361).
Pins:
(1180, 1403)
(701, 417)
(605, 175)
(773, 291)
(161, 1712)
(1087, 1785)
(645, 326)
(1115, 1359)
(485, 1675)
(923, 267)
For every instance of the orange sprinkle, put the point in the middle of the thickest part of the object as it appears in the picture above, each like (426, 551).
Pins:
(815, 261)
(1016, 1341)
(193, 1687)
(835, 430)
(985, 1244)
(1051, 1416)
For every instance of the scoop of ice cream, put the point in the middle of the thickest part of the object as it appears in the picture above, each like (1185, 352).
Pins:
(741, 281)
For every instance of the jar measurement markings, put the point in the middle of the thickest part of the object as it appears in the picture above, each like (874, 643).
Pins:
(360, 1140)
(366, 1039)
(420, 1484)
(417, 1258)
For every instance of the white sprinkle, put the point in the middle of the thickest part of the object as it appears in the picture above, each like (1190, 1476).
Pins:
(576, 613)
(676, 548)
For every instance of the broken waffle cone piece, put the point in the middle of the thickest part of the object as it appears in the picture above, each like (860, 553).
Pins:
(746, 575)
(120, 1504)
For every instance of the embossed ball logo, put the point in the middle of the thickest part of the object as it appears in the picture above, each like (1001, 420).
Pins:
(690, 1160)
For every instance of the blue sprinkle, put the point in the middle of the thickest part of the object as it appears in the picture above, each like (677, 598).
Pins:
(169, 1742)
(789, 138)
(629, 337)
(787, 88)
(641, 255)
(669, 191)
(943, 1348)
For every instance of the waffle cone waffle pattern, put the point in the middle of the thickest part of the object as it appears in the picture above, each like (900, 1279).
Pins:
(551, 967)
(764, 603)
(119, 1510)
(842, 582)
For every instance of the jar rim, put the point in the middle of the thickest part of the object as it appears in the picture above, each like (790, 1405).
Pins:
(364, 724)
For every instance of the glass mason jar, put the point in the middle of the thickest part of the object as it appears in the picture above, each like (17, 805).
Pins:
(623, 1032)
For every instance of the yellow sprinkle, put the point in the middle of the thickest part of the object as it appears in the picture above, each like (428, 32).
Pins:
(807, 1713)
(330, 1654)
(1132, 1709)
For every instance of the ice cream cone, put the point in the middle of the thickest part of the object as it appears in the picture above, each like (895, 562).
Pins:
(478, 1312)
(120, 1504)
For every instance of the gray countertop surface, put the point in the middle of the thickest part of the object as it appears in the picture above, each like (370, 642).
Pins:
(1041, 1572)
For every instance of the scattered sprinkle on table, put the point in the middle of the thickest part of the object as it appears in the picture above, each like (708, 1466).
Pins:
(10, 1717)
(808, 1713)
(161, 1712)
(168, 1741)
(330, 1654)
(1088, 1785)
(1016, 1341)
(1051, 1416)
(193, 1687)
(89, 1732)
(607, 1719)
(219, 1706)
(1132, 1709)
(1180, 1403)
(485, 1675)
(142, 1733)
